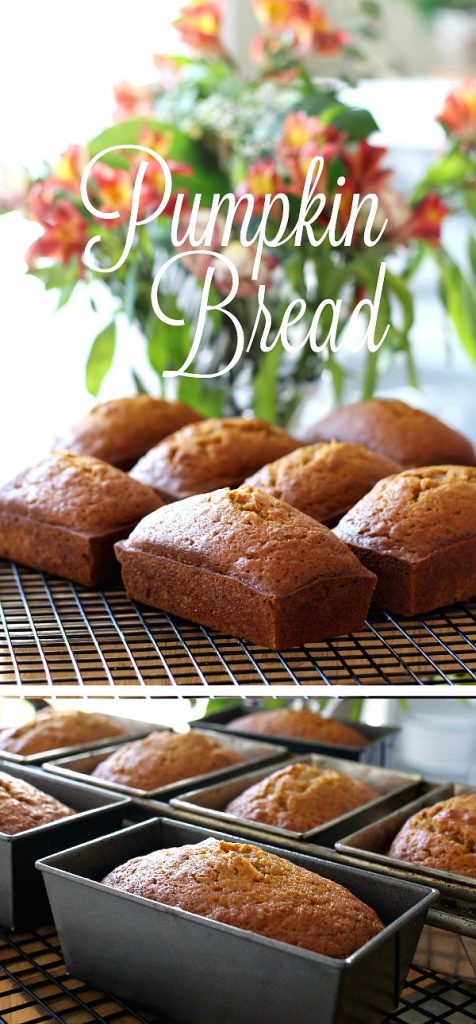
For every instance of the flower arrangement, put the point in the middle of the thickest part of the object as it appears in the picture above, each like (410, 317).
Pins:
(223, 133)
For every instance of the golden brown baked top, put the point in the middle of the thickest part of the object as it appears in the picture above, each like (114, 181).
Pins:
(51, 730)
(120, 431)
(165, 757)
(212, 454)
(23, 806)
(408, 435)
(79, 493)
(301, 797)
(249, 535)
(241, 885)
(299, 723)
(442, 836)
(414, 514)
(324, 480)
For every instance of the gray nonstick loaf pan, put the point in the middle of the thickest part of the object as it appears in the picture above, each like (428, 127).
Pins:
(23, 901)
(391, 789)
(252, 752)
(200, 971)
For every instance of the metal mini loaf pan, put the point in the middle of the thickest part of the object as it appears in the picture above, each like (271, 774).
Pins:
(253, 752)
(379, 749)
(199, 971)
(23, 901)
(371, 843)
(391, 788)
(136, 731)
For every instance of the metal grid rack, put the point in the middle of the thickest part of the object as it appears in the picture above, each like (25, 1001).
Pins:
(56, 634)
(35, 988)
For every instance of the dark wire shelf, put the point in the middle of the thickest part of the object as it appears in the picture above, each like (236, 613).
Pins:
(35, 988)
(54, 634)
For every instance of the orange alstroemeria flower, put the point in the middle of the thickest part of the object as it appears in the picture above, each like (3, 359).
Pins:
(69, 169)
(154, 184)
(306, 23)
(305, 138)
(132, 101)
(425, 221)
(64, 237)
(114, 189)
(262, 179)
(459, 112)
(200, 25)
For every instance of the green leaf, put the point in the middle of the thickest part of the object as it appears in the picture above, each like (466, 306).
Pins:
(356, 124)
(453, 169)
(100, 358)
(461, 303)
(265, 385)
(472, 253)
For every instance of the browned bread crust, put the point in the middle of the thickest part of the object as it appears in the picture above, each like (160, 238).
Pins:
(64, 515)
(23, 806)
(212, 454)
(247, 564)
(162, 758)
(408, 435)
(300, 797)
(324, 480)
(122, 430)
(51, 730)
(241, 885)
(299, 723)
(442, 836)
(417, 532)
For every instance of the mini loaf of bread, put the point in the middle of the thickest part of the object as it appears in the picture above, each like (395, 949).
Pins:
(65, 514)
(299, 723)
(324, 480)
(51, 730)
(241, 885)
(408, 435)
(23, 806)
(122, 430)
(212, 454)
(165, 757)
(442, 836)
(417, 532)
(249, 565)
(300, 797)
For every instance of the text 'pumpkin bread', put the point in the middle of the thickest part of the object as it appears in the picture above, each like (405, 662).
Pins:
(442, 836)
(216, 453)
(324, 480)
(165, 757)
(298, 723)
(64, 514)
(410, 436)
(242, 885)
(417, 532)
(122, 430)
(300, 797)
(247, 564)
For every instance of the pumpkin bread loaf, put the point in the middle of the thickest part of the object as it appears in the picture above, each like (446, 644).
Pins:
(300, 797)
(417, 532)
(397, 430)
(324, 480)
(242, 885)
(298, 723)
(163, 758)
(23, 806)
(442, 836)
(122, 430)
(64, 514)
(51, 730)
(212, 454)
(249, 565)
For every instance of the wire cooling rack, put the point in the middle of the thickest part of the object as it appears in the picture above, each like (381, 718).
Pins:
(35, 988)
(56, 634)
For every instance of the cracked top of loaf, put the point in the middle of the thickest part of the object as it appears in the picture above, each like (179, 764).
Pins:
(23, 806)
(300, 723)
(165, 757)
(215, 453)
(50, 730)
(442, 836)
(241, 885)
(249, 535)
(324, 480)
(410, 436)
(79, 493)
(415, 513)
(121, 430)
(301, 797)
